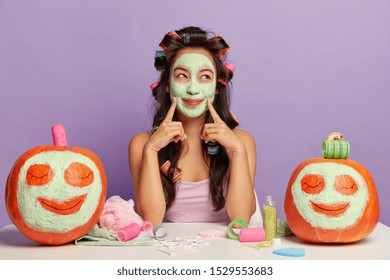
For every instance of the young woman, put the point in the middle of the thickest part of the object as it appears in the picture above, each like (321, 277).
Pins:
(194, 166)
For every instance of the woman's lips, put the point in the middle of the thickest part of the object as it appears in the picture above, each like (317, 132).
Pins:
(192, 103)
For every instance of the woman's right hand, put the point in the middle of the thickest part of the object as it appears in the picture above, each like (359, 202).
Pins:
(167, 132)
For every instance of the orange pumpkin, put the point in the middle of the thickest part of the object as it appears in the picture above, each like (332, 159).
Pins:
(331, 201)
(55, 194)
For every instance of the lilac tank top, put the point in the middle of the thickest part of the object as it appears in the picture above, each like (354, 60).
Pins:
(193, 204)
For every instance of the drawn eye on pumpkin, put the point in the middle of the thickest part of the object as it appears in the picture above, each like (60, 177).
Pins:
(346, 185)
(39, 175)
(79, 175)
(312, 184)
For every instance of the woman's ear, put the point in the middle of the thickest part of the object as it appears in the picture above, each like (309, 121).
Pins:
(167, 89)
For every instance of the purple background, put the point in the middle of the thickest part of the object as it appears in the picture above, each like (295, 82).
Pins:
(304, 69)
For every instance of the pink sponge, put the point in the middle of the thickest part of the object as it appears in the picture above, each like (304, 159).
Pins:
(118, 213)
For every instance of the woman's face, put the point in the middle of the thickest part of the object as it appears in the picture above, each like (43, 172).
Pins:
(192, 81)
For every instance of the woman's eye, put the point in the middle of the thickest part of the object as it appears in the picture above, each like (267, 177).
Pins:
(181, 76)
(205, 77)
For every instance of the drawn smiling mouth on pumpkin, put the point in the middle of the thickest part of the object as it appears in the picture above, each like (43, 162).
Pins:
(330, 210)
(66, 207)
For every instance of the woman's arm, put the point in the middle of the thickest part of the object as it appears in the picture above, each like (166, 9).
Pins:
(241, 201)
(149, 195)
(145, 170)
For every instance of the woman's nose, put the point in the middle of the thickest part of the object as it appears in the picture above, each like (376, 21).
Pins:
(193, 88)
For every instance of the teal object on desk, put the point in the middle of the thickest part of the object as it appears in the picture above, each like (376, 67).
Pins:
(290, 252)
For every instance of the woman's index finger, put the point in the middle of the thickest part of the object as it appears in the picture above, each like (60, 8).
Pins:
(171, 110)
(213, 113)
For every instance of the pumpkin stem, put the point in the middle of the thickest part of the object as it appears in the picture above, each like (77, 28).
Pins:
(59, 135)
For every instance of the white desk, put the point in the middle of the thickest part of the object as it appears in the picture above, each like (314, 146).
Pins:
(14, 246)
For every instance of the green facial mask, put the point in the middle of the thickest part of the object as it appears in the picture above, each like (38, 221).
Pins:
(194, 89)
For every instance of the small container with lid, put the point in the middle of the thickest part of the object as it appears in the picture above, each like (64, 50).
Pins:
(269, 218)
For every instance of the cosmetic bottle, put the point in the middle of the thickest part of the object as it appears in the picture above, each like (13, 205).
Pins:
(269, 218)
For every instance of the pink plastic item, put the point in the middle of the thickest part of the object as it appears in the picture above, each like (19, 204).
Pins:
(59, 135)
(118, 213)
(252, 235)
(230, 66)
(147, 227)
(128, 232)
(154, 85)
(223, 82)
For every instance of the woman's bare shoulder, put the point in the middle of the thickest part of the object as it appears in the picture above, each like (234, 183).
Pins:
(139, 140)
(247, 139)
(244, 135)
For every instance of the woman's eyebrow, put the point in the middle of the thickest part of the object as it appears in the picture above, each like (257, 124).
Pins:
(206, 70)
(181, 68)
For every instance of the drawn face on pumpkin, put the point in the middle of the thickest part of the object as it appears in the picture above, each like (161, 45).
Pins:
(330, 195)
(58, 191)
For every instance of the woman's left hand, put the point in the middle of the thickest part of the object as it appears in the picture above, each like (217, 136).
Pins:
(219, 132)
